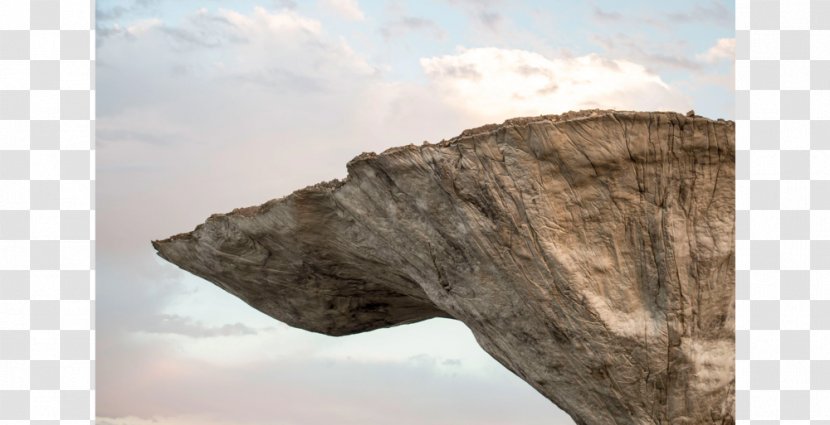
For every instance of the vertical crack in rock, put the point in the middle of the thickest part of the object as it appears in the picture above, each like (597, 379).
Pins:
(591, 253)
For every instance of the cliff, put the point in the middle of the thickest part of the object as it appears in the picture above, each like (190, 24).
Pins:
(591, 253)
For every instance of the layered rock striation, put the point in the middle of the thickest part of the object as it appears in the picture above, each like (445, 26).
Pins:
(591, 253)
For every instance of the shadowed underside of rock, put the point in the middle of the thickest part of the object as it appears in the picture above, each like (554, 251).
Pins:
(591, 253)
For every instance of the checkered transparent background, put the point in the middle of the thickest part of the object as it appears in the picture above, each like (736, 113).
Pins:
(47, 105)
(783, 211)
(47, 211)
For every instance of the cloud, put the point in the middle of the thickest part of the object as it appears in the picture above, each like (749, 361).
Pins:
(179, 325)
(348, 9)
(285, 4)
(452, 362)
(493, 83)
(490, 19)
(724, 49)
(138, 295)
(483, 12)
(264, 23)
(158, 382)
(143, 26)
(605, 15)
(712, 13)
(408, 24)
(656, 55)
(207, 29)
(715, 13)
(706, 76)
(125, 9)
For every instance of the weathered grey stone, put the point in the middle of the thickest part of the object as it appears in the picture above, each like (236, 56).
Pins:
(591, 253)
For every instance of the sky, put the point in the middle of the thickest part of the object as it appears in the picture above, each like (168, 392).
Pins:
(204, 106)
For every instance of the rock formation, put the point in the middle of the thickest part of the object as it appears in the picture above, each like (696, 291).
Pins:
(591, 253)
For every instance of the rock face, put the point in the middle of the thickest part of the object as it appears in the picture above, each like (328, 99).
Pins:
(591, 253)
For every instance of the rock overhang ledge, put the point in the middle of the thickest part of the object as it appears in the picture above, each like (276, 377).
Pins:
(567, 243)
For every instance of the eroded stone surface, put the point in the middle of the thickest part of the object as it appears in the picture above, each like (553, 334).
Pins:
(591, 253)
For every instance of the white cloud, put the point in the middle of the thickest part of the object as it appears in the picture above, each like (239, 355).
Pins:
(724, 49)
(263, 23)
(348, 9)
(494, 83)
(143, 26)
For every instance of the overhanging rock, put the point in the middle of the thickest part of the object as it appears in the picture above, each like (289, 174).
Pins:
(591, 253)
